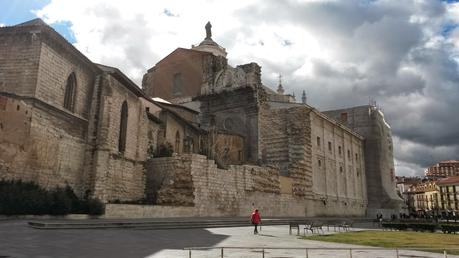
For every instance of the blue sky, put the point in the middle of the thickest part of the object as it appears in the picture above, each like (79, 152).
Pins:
(17, 11)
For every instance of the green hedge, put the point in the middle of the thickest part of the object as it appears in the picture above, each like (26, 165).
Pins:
(27, 198)
(449, 228)
(414, 226)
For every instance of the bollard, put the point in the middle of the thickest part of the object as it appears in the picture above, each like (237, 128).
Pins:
(350, 252)
(189, 253)
(445, 254)
(307, 255)
(222, 253)
(263, 253)
(396, 252)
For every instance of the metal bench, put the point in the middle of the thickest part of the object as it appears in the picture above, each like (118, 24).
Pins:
(345, 225)
(294, 225)
(314, 226)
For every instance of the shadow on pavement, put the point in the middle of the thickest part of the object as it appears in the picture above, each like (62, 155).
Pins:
(17, 240)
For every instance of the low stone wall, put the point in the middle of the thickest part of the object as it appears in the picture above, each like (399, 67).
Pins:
(114, 211)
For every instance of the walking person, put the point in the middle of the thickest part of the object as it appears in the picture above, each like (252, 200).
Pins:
(256, 220)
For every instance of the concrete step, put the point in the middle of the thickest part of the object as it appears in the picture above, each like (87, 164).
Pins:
(173, 223)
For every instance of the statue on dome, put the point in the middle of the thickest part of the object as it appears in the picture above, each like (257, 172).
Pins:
(208, 30)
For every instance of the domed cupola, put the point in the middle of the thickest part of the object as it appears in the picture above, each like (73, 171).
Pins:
(208, 45)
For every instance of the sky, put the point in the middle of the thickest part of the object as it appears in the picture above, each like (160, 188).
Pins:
(402, 54)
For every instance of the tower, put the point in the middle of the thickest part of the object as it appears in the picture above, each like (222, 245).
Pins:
(280, 89)
(303, 97)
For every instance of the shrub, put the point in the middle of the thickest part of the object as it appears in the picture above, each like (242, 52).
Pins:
(414, 226)
(17, 197)
(165, 150)
(95, 207)
(24, 198)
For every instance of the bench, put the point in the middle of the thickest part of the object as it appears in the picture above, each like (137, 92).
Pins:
(294, 225)
(377, 222)
(314, 226)
(345, 225)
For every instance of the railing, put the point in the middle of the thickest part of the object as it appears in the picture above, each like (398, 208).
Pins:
(222, 250)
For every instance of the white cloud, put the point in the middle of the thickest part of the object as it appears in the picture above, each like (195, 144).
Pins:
(341, 52)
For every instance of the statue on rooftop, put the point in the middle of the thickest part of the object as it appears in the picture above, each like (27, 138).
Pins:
(208, 30)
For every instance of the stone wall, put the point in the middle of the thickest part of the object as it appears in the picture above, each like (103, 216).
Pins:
(285, 142)
(19, 58)
(235, 112)
(51, 151)
(15, 118)
(338, 162)
(119, 175)
(235, 191)
(131, 211)
(54, 69)
(378, 152)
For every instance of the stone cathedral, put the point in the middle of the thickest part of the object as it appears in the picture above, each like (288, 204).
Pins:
(200, 138)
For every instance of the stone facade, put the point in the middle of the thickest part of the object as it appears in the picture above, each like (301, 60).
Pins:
(369, 122)
(54, 143)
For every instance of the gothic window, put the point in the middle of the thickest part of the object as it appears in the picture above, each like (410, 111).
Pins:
(348, 154)
(123, 127)
(70, 90)
(339, 150)
(177, 85)
(330, 147)
(319, 162)
(177, 142)
(318, 142)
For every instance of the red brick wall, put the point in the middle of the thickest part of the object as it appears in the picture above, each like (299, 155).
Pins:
(159, 81)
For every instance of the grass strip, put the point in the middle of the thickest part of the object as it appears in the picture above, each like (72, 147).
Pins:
(395, 239)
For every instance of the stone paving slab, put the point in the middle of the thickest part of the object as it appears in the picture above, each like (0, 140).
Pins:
(17, 240)
(278, 237)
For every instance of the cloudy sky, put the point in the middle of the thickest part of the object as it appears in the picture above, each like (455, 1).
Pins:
(402, 54)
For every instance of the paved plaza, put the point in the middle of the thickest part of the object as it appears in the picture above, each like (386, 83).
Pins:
(17, 240)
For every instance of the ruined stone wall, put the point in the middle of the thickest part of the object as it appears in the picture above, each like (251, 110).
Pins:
(235, 112)
(274, 143)
(235, 191)
(228, 149)
(285, 142)
(120, 175)
(169, 181)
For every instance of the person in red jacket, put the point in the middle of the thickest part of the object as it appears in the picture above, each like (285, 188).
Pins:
(255, 219)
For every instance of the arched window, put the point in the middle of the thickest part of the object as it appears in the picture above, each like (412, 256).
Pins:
(123, 127)
(177, 142)
(70, 90)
